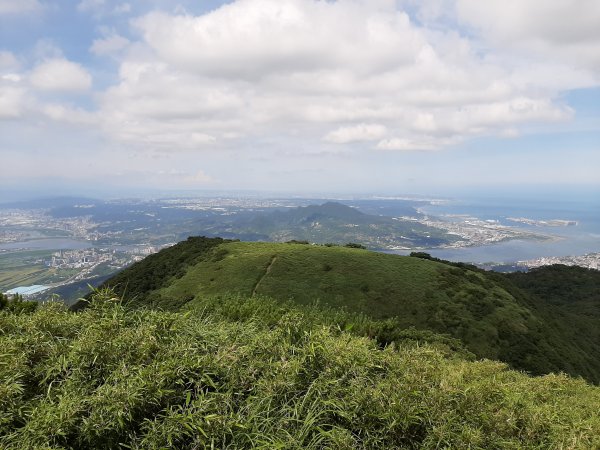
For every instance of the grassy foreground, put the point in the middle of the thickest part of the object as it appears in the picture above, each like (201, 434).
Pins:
(109, 377)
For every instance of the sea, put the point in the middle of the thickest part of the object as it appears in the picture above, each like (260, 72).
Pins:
(581, 239)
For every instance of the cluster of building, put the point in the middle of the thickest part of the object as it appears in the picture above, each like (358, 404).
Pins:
(11, 236)
(589, 261)
(544, 223)
(32, 222)
(474, 232)
(79, 259)
(227, 205)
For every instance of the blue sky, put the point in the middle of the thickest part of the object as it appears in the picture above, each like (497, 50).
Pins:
(376, 96)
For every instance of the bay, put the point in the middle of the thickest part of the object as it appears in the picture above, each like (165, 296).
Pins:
(570, 240)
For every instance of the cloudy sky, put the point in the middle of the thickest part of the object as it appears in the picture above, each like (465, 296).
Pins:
(299, 95)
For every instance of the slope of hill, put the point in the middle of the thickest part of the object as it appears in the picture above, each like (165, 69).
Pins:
(491, 315)
(113, 377)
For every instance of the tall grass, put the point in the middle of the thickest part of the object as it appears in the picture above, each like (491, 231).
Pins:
(108, 377)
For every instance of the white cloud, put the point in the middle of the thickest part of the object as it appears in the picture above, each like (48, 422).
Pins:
(337, 72)
(559, 30)
(8, 61)
(108, 45)
(200, 177)
(60, 75)
(254, 38)
(67, 114)
(288, 77)
(18, 6)
(13, 77)
(402, 144)
(356, 133)
(11, 101)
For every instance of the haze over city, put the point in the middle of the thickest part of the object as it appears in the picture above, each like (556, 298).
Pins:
(298, 95)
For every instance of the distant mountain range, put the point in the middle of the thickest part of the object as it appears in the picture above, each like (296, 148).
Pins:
(333, 222)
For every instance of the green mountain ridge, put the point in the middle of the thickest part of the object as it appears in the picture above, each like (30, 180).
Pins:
(495, 316)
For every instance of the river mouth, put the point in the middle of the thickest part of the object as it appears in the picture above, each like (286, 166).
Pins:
(47, 244)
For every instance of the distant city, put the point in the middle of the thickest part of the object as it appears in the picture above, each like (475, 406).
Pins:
(47, 245)
(589, 261)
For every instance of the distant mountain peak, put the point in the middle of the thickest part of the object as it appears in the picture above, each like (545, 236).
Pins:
(333, 210)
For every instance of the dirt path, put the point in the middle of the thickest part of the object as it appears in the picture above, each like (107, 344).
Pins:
(267, 270)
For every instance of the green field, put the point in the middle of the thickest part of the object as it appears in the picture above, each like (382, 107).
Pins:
(22, 269)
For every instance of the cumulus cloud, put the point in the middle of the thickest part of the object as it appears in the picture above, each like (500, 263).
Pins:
(60, 75)
(111, 44)
(200, 177)
(254, 38)
(339, 72)
(11, 101)
(566, 30)
(356, 133)
(67, 114)
(258, 74)
(404, 144)
(8, 61)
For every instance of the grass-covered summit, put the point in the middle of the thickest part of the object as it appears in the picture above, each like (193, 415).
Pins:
(493, 315)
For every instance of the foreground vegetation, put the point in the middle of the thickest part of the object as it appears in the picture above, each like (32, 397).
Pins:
(494, 316)
(270, 376)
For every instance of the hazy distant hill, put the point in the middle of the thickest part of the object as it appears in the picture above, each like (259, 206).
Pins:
(494, 316)
(339, 223)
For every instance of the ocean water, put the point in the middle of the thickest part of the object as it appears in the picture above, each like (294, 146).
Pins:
(572, 240)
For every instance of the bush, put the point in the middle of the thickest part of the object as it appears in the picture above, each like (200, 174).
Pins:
(17, 304)
(109, 377)
(355, 245)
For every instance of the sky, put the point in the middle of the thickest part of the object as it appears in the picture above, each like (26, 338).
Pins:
(306, 96)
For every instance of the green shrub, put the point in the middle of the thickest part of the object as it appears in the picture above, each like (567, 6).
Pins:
(108, 377)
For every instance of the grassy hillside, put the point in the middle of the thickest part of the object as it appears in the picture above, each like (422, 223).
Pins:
(492, 316)
(111, 377)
